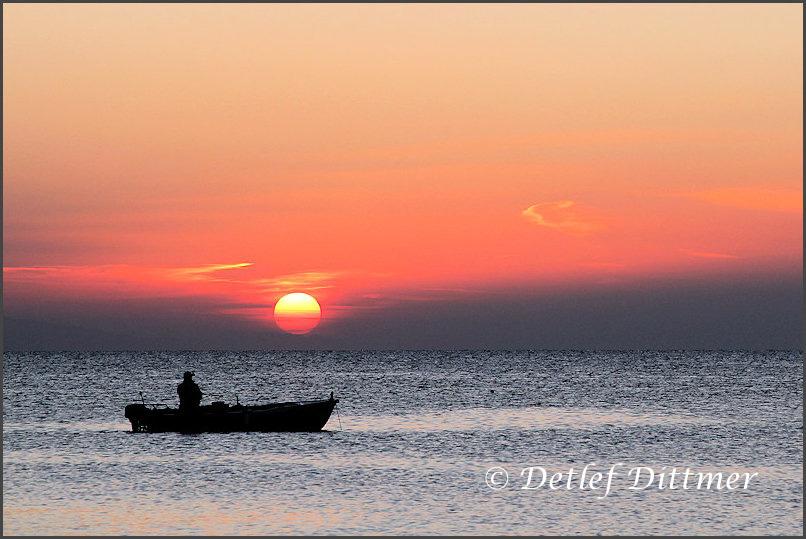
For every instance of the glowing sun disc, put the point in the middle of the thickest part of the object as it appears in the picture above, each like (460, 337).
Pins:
(297, 313)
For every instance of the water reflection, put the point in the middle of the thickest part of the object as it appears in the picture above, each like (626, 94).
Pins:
(526, 418)
(418, 432)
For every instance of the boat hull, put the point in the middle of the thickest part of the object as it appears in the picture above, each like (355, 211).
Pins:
(310, 416)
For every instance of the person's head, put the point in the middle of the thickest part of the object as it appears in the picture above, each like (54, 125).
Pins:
(188, 376)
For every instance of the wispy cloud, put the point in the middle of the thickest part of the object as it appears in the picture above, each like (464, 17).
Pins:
(122, 271)
(18, 271)
(604, 265)
(201, 279)
(237, 293)
(702, 254)
(564, 216)
(205, 271)
(308, 280)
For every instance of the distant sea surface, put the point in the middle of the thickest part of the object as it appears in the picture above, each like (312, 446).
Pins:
(409, 448)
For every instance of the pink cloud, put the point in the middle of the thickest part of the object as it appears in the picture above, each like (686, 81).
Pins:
(702, 254)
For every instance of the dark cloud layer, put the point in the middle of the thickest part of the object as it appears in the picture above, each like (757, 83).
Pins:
(740, 313)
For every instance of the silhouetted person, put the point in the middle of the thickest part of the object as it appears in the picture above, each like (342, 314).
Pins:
(189, 393)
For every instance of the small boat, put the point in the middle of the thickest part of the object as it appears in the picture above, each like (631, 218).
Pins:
(303, 416)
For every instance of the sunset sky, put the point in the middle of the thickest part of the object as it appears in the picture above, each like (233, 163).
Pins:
(448, 176)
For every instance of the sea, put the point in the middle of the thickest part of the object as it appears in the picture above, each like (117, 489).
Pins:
(467, 442)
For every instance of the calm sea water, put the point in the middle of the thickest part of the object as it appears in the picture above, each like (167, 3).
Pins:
(410, 448)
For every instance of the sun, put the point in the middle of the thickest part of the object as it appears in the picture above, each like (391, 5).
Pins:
(297, 313)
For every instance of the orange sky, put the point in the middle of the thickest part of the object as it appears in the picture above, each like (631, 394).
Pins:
(351, 151)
